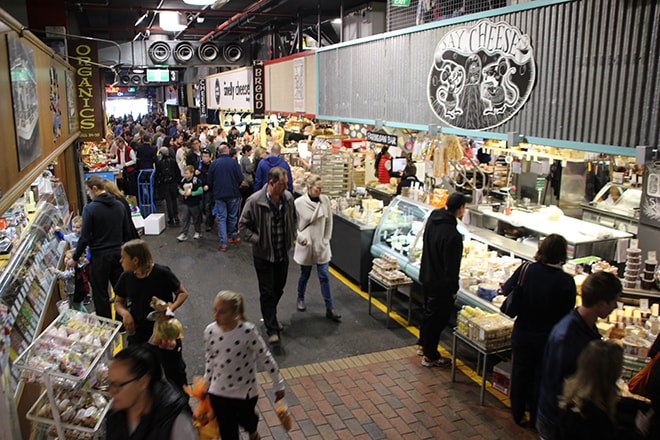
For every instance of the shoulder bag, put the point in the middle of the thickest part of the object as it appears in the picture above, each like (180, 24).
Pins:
(511, 305)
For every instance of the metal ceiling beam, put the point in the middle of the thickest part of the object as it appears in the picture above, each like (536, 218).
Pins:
(235, 18)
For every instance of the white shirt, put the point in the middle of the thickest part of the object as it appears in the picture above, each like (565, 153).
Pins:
(231, 368)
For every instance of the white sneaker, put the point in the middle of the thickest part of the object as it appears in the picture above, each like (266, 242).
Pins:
(182, 237)
(196, 236)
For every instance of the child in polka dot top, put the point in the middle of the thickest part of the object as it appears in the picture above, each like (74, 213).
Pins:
(232, 347)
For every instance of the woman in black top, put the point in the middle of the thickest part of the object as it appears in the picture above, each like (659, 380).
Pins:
(548, 293)
(144, 405)
(142, 279)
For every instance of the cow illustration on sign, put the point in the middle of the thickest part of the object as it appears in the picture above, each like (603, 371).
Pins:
(481, 75)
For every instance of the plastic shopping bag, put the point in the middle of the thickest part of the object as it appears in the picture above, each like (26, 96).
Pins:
(203, 417)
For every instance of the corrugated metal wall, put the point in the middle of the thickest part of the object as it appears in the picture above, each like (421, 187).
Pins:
(598, 74)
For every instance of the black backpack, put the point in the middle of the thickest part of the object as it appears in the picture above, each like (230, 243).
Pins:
(169, 172)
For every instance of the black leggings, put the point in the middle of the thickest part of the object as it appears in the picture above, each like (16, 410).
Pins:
(232, 413)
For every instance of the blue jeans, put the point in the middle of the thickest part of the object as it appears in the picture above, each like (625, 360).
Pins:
(324, 281)
(227, 218)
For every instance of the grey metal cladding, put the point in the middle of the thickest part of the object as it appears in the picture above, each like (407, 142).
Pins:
(597, 62)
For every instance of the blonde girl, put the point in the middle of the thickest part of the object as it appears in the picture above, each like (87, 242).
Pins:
(233, 346)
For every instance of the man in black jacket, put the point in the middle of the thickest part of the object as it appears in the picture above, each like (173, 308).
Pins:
(105, 228)
(439, 275)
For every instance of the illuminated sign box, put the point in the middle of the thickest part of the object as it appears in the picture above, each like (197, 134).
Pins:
(158, 75)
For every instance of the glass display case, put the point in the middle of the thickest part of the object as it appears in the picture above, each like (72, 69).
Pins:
(400, 234)
(615, 206)
(26, 283)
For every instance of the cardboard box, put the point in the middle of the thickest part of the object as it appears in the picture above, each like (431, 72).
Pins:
(501, 378)
(154, 224)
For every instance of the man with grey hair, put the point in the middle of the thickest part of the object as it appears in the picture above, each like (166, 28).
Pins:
(273, 160)
(268, 222)
(224, 181)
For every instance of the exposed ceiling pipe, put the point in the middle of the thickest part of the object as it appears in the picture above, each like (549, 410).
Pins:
(209, 12)
(235, 18)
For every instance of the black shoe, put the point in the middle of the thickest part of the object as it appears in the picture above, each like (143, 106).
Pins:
(330, 314)
(176, 221)
(171, 223)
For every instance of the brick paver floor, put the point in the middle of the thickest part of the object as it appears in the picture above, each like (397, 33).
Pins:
(385, 395)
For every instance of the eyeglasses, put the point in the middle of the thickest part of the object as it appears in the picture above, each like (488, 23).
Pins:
(116, 387)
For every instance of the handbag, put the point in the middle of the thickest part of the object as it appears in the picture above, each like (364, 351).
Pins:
(637, 384)
(511, 305)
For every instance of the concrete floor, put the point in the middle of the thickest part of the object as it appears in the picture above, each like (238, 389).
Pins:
(308, 337)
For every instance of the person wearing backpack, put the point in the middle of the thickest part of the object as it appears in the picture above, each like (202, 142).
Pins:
(167, 177)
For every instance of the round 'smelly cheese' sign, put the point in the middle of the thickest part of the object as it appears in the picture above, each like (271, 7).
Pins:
(481, 75)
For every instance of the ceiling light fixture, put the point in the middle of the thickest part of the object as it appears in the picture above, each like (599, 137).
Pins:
(172, 21)
(337, 21)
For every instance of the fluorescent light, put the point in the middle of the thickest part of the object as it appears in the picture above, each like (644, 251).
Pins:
(336, 21)
(199, 2)
(172, 21)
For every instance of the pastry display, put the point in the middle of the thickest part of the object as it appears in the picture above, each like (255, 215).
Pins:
(80, 411)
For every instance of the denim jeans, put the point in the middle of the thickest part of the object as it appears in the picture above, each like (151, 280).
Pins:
(227, 218)
(193, 212)
(324, 281)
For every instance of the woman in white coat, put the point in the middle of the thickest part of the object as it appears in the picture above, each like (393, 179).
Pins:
(313, 242)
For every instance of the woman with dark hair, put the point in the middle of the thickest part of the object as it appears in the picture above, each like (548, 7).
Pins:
(409, 178)
(383, 165)
(143, 279)
(145, 406)
(548, 293)
(247, 186)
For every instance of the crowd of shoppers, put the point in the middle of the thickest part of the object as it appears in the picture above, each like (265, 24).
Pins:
(564, 376)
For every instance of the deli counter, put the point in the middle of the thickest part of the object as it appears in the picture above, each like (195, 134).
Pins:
(490, 258)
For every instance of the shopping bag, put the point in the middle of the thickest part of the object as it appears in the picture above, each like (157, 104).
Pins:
(203, 418)
(285, 416)
(637, 383)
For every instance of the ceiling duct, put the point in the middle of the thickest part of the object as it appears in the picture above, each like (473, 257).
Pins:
(208, 52)
(184, 52)
(160, 52)
(232, 52)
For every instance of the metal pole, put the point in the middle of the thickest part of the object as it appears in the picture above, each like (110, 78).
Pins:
(318, 22)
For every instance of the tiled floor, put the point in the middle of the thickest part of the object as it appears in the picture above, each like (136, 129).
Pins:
(385, 395)
(350, 380)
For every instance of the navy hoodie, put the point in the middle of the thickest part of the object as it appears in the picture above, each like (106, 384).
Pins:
(104, 225)
(265, 164)
(443, 249)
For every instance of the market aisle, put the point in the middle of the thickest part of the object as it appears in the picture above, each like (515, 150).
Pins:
(355, 379)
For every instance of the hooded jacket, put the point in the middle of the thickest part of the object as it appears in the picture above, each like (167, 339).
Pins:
(265, 164)
(167, 404)
(315, 227)
(441, 257)
(104, 225)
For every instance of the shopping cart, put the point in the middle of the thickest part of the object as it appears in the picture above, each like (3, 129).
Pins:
(146, 192)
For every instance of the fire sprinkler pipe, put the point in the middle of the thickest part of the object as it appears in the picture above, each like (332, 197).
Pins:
(235, 18)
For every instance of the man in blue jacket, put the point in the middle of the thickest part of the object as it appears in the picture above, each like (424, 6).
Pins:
(571, 335)
(224, 181)
(271, 161)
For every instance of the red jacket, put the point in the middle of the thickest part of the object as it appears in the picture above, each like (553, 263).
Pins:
(383, 173)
